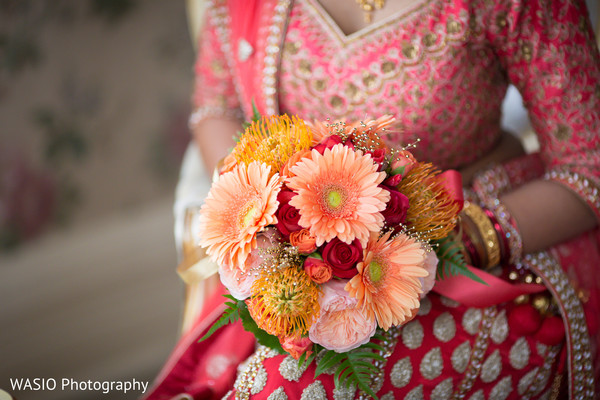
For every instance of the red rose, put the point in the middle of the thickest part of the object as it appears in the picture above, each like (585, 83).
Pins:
(396, 208)
(342, 257)
(330, 141)
(287, 215)
(378, 157)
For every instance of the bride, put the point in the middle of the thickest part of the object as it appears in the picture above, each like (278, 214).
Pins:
(441, 68)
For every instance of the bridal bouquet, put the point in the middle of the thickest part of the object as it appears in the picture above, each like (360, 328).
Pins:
(324, 235)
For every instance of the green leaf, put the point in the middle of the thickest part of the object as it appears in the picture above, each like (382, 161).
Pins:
(354, 368)
(230, 315)
(261, 336)
(451, 260)
(255, 113)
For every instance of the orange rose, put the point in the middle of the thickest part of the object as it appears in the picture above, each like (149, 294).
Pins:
(296, 346)
(304, 241)
(297, 156)
(318, 270)
(403, 162)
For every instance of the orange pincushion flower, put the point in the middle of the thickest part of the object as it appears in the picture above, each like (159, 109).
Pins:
(284, 302)
(338, 194)
(432, 212)
(273, 140)
(239, 205)
(387, 285)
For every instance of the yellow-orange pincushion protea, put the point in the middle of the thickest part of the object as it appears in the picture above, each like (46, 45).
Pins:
(273, 140)
(432, 213)
(339, 194)
(387, 284)
(239, 205)
(284, 302)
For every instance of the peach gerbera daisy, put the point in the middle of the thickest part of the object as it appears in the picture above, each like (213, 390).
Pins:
(387, 284)
(338, 194)
(239, 205)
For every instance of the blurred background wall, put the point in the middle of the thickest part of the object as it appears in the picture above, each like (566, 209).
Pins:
(94, 99)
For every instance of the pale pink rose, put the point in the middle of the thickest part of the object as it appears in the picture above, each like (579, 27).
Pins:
(430, 264)
(239, 283)
(340, 326)
(296, 346)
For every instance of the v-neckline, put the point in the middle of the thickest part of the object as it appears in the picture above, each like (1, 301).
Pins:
(345, 39)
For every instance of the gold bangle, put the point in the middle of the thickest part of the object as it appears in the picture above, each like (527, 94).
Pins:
(487, 232)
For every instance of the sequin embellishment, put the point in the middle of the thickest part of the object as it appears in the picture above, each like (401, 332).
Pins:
(314, 391)
(519, 354)
(491, 367)
(471, 320)
(289, 369)
(278, 394)
(500, 328)
(460, 357)
(502, 389)
(443, 390)
(444, 327)
(401, 373)
(432, 364)
(412, 335)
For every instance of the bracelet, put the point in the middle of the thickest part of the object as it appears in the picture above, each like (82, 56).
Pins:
(504, 245)
(489, 236)
(202, 113)
(510, 231)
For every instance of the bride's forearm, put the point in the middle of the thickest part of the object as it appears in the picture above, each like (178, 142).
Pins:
(547, 213)
(508, 147)
(215, 138)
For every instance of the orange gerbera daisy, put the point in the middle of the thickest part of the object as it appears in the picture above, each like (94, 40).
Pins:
(239, 205)
(387, 284)
(338, 194)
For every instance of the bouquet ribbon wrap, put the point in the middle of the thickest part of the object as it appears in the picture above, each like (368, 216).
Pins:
(467, 291)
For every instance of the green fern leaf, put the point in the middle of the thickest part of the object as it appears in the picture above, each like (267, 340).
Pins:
(451, 260)
(230, 315)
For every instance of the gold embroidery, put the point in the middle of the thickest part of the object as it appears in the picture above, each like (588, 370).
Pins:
(500, 328)
(432, 364)
(443, 390)
(492, 367)
(502, 389)
(444, 327)
(519, 354)
(388, 66)
(526, 381)
(314, 391)
(289, 369)
(460, 357)
(278, 394)
(471, 320)
(344, 393)
(480, 346)
(415, 394)
(478, 395)
(412, 334)
(425, 306)
(578, 343)
(401, 373)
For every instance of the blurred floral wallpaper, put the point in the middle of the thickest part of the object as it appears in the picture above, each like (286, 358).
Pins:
(94, 98)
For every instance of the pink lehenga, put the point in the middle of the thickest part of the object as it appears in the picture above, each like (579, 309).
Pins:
(442, 69)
